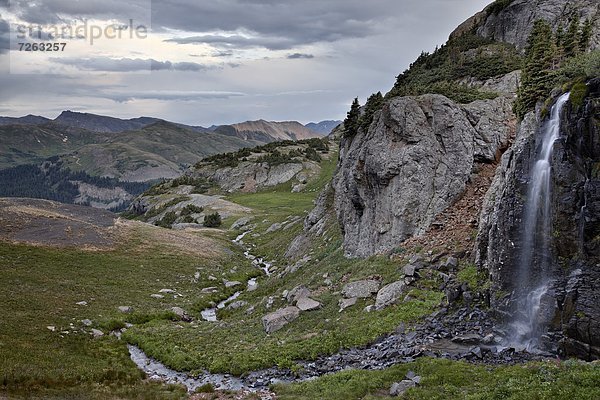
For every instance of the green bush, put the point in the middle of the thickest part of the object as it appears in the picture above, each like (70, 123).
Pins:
(191, 209)
(213, 220)
(167, 220)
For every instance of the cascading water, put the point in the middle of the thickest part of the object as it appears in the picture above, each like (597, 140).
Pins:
(535, 257)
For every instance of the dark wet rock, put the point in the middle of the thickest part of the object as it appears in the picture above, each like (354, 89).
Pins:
(469, 338)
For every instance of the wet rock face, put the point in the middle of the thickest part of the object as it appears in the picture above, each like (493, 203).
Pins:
(513, 24)
(573, 310)
(413, 163)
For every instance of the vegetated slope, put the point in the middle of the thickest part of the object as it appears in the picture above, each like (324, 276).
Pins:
(101, 123)
(52, 181)
(292, 163)
(66, 270)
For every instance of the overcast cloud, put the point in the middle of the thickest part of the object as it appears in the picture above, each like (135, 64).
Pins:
(226, 61)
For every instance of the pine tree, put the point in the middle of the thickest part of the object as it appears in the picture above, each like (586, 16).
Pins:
(373, 104)
(572, 38)
(537, 72)
(352, 121)
(586, 35)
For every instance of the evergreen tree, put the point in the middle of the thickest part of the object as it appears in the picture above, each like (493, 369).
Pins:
(373, 104)
(536, 79)
(352, 121)
(572, 38)
(586, 35)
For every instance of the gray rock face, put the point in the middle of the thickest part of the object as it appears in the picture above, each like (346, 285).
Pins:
(571, 306)
(276, 320)
(389, 294)
(514, 23)
(413, 162)
(250, 176)
(360, 289)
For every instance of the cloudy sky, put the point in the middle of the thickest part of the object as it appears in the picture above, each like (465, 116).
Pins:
(205, 62)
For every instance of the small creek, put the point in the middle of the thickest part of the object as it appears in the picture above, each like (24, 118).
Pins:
(158, 371)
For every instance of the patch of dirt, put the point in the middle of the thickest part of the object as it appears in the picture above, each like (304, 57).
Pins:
(454, 230)
(189, 241)
(48, 223)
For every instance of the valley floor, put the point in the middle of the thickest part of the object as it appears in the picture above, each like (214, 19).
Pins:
(72, 300)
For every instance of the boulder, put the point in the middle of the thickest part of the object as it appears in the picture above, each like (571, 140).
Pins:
(96, 333)
(230, 284)
(399, 388)
(360, 289)
(275, 227)
(276, 320)
(126, 309)
(237, 304)
(307, 304)
(389, 294)
(240, 223)
(297, 293)
(345, 303)
(409, 270)
(180, 312)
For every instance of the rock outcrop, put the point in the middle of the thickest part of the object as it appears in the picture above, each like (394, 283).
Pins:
(571, 305)
(413, 162)
(513, 23)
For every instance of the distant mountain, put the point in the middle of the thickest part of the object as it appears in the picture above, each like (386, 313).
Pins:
(267, 131)
(323, 127)
(26, 120)
(101, 123)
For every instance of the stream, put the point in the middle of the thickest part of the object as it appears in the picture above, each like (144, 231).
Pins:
(158, 371)
(430, 338)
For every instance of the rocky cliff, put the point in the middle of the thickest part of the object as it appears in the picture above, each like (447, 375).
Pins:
(414, 161)
(571, 306)
(511, 21)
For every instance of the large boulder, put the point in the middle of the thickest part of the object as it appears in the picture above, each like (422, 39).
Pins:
(389, 294)
(276, 320)
(360, 289)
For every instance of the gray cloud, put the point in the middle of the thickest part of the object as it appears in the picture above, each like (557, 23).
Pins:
(165, 95)
(237, 41)
(295, 56)
(107, 64)
(4, 36)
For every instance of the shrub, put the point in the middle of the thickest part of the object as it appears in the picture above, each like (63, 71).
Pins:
(191, 209)
(213, 220)
(167, 220)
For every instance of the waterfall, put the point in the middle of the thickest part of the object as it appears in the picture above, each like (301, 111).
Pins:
(535, 257)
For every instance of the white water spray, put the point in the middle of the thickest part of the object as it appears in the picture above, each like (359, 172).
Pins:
(535, 254)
